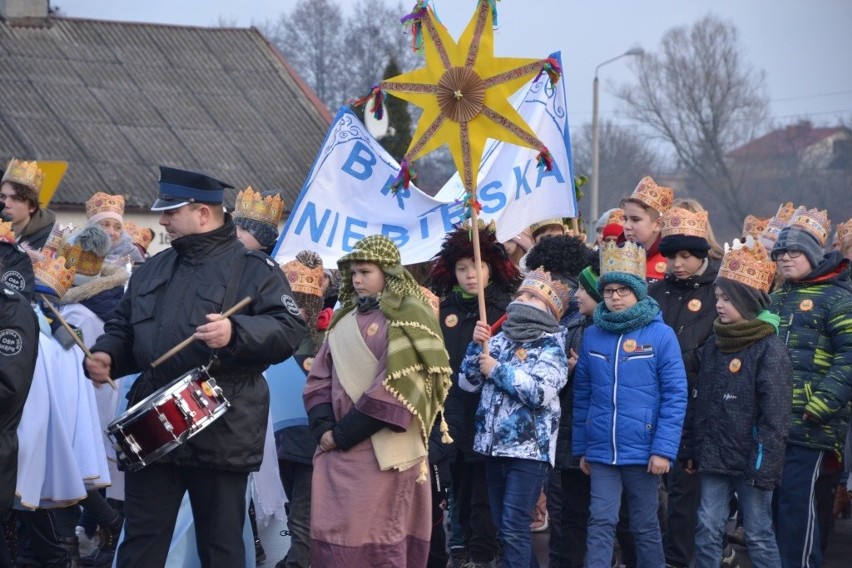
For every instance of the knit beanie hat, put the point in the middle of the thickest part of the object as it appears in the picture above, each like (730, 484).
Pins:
(259, 213)
(794, 238)
(638, 285)
(684, 230)
(264, 233)
(613, 230)
(747, 300)
(589, 281)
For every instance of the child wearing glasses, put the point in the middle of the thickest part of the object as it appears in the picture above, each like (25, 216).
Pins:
(629, 406)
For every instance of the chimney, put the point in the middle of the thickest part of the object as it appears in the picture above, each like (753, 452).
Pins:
(24, 13)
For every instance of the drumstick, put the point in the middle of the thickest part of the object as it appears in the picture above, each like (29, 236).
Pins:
(183, 344)
(73, 334)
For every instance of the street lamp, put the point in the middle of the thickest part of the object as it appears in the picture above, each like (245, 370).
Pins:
(637, 51)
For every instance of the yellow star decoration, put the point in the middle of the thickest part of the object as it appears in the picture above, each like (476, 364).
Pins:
(464, 93)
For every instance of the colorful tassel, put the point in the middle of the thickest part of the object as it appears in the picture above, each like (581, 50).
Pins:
(552, 68)
(544, 159)
(377, 96)
(468, 205)
(414, 19)
(493, 4)
(404, 177)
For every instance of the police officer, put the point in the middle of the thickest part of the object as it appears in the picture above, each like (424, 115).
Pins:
(18, 351)
(176, 294)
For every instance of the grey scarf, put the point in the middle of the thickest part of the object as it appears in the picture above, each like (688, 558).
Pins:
(527, 323)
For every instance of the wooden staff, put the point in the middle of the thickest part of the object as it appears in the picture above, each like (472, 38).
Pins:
(183, 344)
(477, 260)
(73, 333)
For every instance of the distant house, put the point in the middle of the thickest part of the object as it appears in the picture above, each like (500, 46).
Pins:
(117, 99)
(811, 148)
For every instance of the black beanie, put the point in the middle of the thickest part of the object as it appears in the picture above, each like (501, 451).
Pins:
(747, 300)
(794, 238)
(265, 234)
(673, 244)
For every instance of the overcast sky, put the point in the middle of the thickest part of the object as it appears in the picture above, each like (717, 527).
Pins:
(803, 46)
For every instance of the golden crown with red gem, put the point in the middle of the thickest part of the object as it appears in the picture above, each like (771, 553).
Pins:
(813, 221)
(678, 221)
(104, 203)
(252, 204)
(844, 233)
(628, 258)
(657, 197)
(142, 236)
(305, 273)
(746, 262)
(778, 222)
(754, 226)
(54, 274)
(551, 291)
(616, 217)
(25, 173)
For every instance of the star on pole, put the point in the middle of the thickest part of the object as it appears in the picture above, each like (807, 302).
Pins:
(464, 92)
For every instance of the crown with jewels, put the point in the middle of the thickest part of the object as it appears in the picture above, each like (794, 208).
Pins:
(655, 196)
(844, 233)
(140, 235)
(813, 221)
(552, 292)
(7, 235)
(54, 274)
(628, 258)
(305, 273)
(754, 226)
(56, 239)
(746, 262)
(616, 217)
(105, 205)
(778, 222)
(24, 173)
(678, 221)
(252, 204)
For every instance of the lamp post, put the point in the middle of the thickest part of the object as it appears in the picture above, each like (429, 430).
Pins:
(636, 51)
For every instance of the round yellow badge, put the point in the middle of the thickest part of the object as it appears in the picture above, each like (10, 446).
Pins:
(806, 305)
(694, 305)
(306, 364)
(451, 320)
(521, 353)
(660, 266)
(735, 365)
(372, 329)
(629, 346)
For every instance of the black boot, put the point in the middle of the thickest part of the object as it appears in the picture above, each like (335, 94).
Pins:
(259, 553)
(103, 555)
(72, 547)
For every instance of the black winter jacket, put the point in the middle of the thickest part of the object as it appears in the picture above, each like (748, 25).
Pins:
(167, 298)
(689, 308)
(458, 319)
(16, 269)
(574, 324)
(743, 412)
(18, 352)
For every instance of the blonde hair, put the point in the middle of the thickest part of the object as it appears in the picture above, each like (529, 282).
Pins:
(694, 206)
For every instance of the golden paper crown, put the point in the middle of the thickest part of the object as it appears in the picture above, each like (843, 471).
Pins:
(24, 173)
(678, 221)
(778, 222)
(552, 292)
(305, 273)
(844, 233)
(616, 217)
(746, 262)
(754, 226)
(7, 235)
(813, 221)
(54, 274)
(655, 196)
(56, 239)
(105, 203)
(546, 223)
(253, 205)
(140, 235)
(628, 258)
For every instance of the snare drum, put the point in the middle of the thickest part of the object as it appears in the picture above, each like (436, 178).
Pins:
(166, 419)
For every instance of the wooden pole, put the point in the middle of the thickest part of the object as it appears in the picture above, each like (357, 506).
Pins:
(73, 333)
(477, 260)
(186, 342)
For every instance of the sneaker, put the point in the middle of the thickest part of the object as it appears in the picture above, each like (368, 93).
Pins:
(540, 523)
(729, 558)
(458, 557)
(737, 536)
(87, 545)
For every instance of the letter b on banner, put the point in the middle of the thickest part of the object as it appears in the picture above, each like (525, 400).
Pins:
(360, 162)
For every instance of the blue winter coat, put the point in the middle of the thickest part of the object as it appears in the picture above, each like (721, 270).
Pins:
(629, 395)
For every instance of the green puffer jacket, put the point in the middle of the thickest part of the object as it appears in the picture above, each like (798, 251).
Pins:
(816, 326)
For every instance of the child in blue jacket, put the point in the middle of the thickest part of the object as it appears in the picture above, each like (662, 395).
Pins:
(517, 421)
(629, 406)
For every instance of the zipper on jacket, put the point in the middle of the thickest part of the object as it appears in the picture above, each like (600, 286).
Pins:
(789, 326)
(759, 456)
(615, 399)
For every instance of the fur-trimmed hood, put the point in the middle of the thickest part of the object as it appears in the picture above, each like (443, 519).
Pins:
(112, 276)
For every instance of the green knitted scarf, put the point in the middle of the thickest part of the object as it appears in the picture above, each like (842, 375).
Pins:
(418, 367)
(734, 337)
